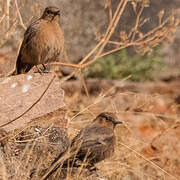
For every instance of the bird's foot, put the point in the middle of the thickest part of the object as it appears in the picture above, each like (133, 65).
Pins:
(41, 70)
(45, 70)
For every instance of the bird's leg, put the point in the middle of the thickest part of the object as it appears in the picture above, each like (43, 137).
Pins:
(45, 69)
(39, 70)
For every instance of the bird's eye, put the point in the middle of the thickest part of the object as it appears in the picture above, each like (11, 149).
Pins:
(108, 118)
(48, 11)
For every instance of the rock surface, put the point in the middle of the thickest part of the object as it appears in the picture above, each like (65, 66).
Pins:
(28, 96)
(32, 150)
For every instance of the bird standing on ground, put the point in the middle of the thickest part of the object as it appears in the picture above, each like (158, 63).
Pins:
(96, 141)
(93, 143)
(43, 42)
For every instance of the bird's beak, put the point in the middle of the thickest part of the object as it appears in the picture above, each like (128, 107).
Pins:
(57, 13)
(118, 122)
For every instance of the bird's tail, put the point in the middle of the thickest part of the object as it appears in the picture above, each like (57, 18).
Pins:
(21, 67)
(18, 65)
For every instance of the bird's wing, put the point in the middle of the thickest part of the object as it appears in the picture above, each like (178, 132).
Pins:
(93, 142)
(96, 149)
(92, 135)
(30, 33)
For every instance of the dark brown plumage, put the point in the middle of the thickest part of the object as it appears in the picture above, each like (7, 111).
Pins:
(93, 143)
(43, 42)
(96, 141)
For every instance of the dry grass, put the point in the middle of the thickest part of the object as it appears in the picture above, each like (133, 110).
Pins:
(147, 143)
(142, 147)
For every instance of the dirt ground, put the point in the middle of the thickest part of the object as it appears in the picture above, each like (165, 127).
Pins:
(148, 143)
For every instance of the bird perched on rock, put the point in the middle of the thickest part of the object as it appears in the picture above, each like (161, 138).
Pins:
(93, 143)
(43, 42)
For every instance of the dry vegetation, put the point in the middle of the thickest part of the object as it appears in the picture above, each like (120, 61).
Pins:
(147, 143)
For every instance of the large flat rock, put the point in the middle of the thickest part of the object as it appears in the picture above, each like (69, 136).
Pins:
(19, 93)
